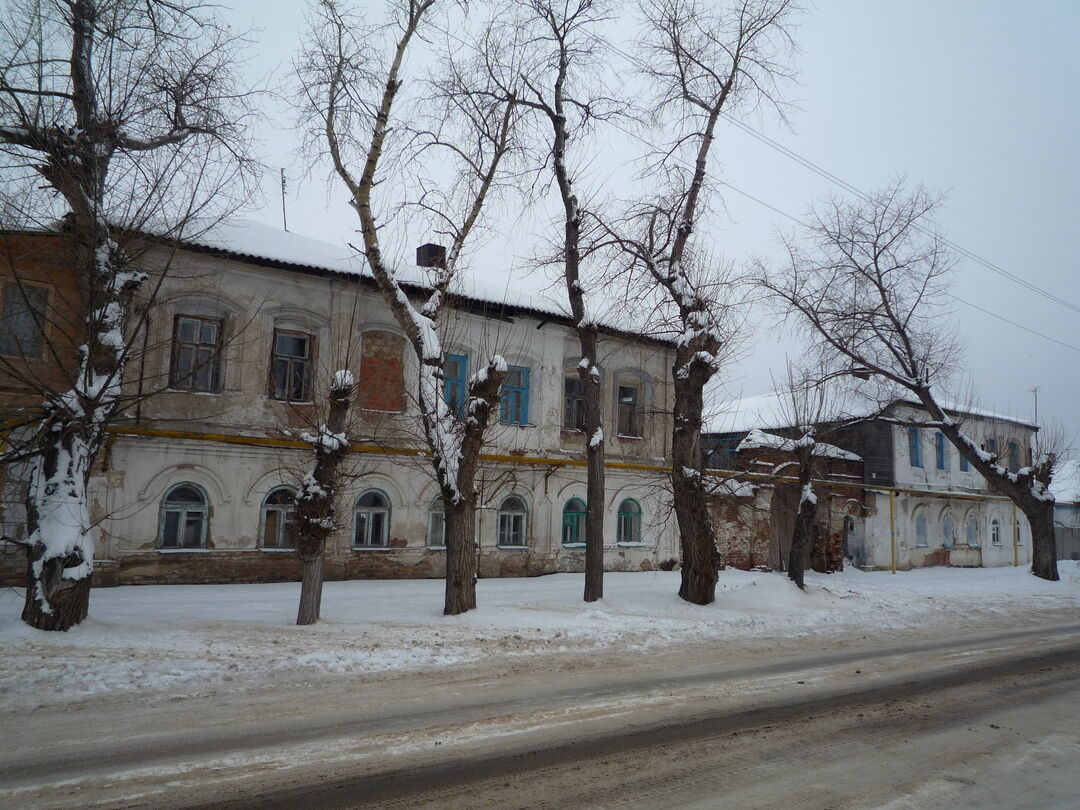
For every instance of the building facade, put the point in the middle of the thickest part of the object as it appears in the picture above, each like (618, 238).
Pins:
(245, 330)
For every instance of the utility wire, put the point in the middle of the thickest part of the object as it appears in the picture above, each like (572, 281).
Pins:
(832, 178)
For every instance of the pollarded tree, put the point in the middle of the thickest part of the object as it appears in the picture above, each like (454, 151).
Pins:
(351, 92)
(316, 514)
(870, 289)
(703, 62)
(117, 118)
(556, 78)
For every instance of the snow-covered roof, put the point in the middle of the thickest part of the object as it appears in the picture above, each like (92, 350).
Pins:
(759, 439)
(1065, 485)
(771, 411)
(247, 239)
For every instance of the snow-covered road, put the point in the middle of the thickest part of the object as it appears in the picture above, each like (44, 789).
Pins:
(160, 642)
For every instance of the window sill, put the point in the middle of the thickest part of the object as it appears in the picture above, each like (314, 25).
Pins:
(195, 391)
(623, 438)
(922, 545)
(522, 425)
(434, 548)
(512, 548)
(372, 548)
(573, 545)
(184, 550)
(632, 545)
(277, 550)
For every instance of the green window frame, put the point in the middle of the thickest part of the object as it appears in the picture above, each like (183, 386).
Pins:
(573, 522)
(628, 525)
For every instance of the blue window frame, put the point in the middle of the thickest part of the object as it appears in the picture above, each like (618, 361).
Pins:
(964, 465)
(455, 375)
(514, 409)
(942, 451)
(1014, 457)
(914, 446)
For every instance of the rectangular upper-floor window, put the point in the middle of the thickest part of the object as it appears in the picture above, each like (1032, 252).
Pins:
(573, 403)
(914, 444)
(291, 366)
(990, 445)
(22, 319)
(941, 450)
(514, 402)
(630, 417)
(455, 381)
(196, 354)
(1014, 457)
(964, 464)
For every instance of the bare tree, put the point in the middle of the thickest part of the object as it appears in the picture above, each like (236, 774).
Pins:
(351, 93)
(557, 79)
(871, 289)
(131, 116)
(703, 63)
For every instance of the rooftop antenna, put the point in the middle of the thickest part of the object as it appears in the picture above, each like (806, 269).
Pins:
(1035, 391)
(284, 220)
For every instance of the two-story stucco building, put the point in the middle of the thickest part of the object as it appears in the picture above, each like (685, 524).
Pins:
(240, 340)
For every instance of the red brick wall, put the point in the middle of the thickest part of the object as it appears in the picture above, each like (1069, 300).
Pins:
(382, 372)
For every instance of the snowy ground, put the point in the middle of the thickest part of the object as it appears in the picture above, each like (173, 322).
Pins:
(171, 640)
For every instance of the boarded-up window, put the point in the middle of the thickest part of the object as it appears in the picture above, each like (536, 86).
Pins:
(382, 372)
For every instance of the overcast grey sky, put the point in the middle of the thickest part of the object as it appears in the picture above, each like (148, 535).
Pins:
(974, 99)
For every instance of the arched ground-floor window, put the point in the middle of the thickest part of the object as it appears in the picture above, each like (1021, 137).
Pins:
(628, 528)
(183, 517)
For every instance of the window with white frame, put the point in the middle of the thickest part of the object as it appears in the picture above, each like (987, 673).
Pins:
(922, 533)
(971, 531)
(995, 532)
(628, 527)
(291, 366)
(184, 512)
(196, 354)
(22, 319)
(513, 519)
(278, 510)
(436, 524)
(371, 520)
(573, 522)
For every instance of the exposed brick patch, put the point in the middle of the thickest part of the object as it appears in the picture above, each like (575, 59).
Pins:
(382, 372)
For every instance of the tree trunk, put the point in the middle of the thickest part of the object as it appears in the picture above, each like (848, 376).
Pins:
(311, 586)
(802, 538)
(1040, 516)
(700, 557)
(460, 555)
(595, 487)
(69, 600)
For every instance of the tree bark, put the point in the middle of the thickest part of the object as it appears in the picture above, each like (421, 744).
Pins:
(316, 505)
(311, 587)
(700, 557)
(460, 556)
(595, 495)
(1040, 516)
